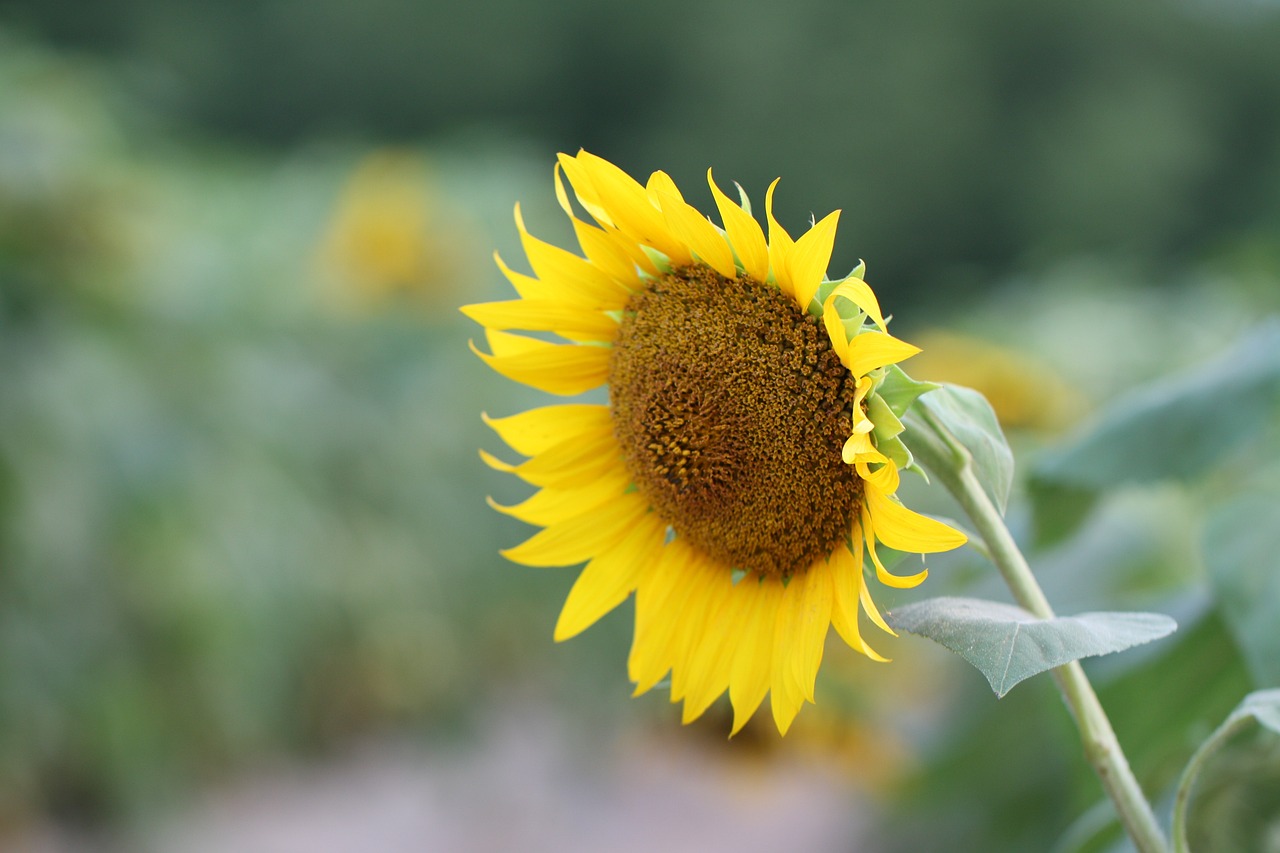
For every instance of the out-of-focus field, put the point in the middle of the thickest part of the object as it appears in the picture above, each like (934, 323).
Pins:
(250, 595)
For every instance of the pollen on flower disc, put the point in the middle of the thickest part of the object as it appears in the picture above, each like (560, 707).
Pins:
(731, 410)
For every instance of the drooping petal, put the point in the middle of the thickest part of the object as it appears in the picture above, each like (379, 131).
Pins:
(884, 479)
(870, 350)
(834, 325)
(793, 638)
(906, 530)
(882, 574)
(610, 577)
(711, 657)
(744, 233)
(859, 293)
(700, 603)
(812, 619)
(660, 600)
(851, 591)
(753, 659)
(869, 607)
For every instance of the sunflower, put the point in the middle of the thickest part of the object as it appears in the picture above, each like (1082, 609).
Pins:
(749, 452)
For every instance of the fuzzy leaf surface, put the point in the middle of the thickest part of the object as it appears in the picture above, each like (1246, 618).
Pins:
(1009, 645)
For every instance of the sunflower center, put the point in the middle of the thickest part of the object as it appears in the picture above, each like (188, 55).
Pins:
(731, 409)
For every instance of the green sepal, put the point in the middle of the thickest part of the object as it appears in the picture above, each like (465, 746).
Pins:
(659, 259)
(899, 455)
(899, 391)
(887, 425)
(824, 290)
(742, 195)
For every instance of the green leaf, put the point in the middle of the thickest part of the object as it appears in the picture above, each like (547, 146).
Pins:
(899, 390)
(1008, 645)
(969, 418)
(1177, 427)
(1262, 708)
(1241, 550)
(1058, 511)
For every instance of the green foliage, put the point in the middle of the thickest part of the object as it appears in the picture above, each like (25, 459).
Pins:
(1241, 798)
(1177, 427)
(1009, 645)
(961, 141)
(1242, 554)
(968, 417)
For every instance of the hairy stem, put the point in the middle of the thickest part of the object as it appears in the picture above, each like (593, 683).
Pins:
(951, 463)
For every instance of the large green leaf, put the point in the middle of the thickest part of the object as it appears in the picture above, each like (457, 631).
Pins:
(1252, 827)
(1242, 553)
(1008, 644)
(969, 418)
(1176, 427)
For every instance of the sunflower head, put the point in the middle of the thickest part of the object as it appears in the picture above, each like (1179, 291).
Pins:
(749, 454)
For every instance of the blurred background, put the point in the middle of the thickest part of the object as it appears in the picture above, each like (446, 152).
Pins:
(250, 595)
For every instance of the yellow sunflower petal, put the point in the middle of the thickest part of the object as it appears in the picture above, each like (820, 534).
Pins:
(535, 430)
(694, 230)
(576, 276)
(550, 505)
(882, 574)
(885, 478)
(527, 286)
(813, 620)
(870, 350)
(859, 293)
(753, 660)
(858, 446)
(564, 369)
(575, 463)
(845, 581)
(700, 586)
(662, 597)
(584, 189)
(601, 246)
(537, 315)
(610, 577)
(873, 612)
(571, 542)
(906, 530)
(744, 234)
(780, 244)
(835, 331)
(809, 258)
(796, 644)
(660, 183)
(711, 658)
(628, 204)
(608, 254)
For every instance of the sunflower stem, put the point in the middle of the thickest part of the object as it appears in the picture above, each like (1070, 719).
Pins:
(952, 463)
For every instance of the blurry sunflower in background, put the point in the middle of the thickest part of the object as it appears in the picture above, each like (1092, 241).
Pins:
(749, 452)
(386, 238)
(1025, 392)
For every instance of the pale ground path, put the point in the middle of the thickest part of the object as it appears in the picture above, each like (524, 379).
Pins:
(523, 785)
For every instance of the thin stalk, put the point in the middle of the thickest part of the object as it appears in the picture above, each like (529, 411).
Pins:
(951, 463)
